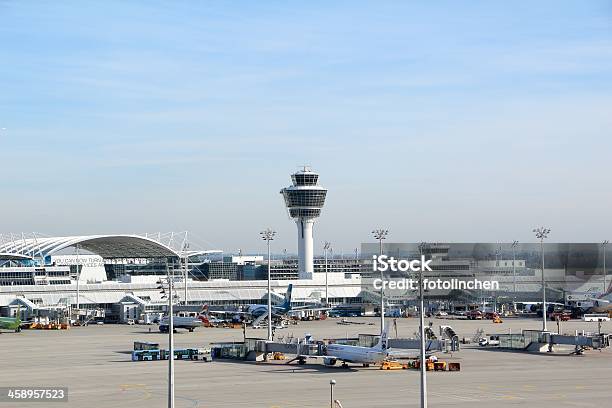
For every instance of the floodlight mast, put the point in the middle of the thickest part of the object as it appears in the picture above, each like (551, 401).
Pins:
(170, 296)
(326, 248)
(423, 366)
(268, 235)
(381, 234)
(541, 233)
(78, 278)
(605, 272)
(186, 272)
(171, 341)
(514, 245)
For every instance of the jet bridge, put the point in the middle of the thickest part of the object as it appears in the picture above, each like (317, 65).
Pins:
(305, 347)
(538, 341)
(594, 341)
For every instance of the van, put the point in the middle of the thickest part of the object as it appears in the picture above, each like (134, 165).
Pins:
(596, 317)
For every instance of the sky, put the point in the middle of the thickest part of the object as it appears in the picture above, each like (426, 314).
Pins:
(471, 121)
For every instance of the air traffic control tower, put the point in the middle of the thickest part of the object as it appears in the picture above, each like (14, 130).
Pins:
(304, 201)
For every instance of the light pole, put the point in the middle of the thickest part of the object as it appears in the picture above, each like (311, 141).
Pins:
(381, 234)
(170, 296)
(422, 332)
(326, 247)
(331, 393)
(78, 278)
(605, 272)
(542, 233)
(171, 342)
(514, 245)
(498, 257)
(268, 235)
(186, 256)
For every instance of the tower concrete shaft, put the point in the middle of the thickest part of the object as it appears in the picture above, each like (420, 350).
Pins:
(304, 200)
(305, 245)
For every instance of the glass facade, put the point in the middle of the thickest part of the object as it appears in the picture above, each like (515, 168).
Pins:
(304, 212)
(219, 270)
(285, 269)
(305, 198)
(38, 276)
(151, 267)
(16, 278)
(574, 259)
(305, 179)
(569, 268)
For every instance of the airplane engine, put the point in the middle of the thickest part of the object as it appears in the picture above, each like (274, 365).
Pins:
(329, 361)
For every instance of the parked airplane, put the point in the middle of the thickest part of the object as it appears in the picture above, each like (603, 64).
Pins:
(189, 323)
(592, 303)
(602, 304)
(280, 310)
(259, 311)
(354, 354)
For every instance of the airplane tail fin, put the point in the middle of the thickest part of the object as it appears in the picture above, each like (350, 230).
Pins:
(287, 302)
(383, 342)
(609, 290)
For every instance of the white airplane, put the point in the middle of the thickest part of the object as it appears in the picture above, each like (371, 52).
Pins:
(178, 322)
(598, 304)
(602, 304)
(355, 354)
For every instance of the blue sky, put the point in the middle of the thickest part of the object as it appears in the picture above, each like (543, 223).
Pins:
(459, 121)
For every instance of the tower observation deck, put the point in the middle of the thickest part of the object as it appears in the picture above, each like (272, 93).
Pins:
(304, 201)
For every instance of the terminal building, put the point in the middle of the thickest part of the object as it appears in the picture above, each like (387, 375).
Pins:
(234, 268)
(116, 276)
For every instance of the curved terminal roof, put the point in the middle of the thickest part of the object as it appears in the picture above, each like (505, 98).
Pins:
(14, 257)
(204, 252)
(107, 246)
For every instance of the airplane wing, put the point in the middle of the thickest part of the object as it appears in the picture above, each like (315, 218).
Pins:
(599, 300)
(225, 312)
(311, 308)
(317, 356)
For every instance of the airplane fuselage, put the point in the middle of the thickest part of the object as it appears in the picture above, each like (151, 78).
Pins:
(603, 304)
(188, 323)
(258, 310)
(356, 354)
